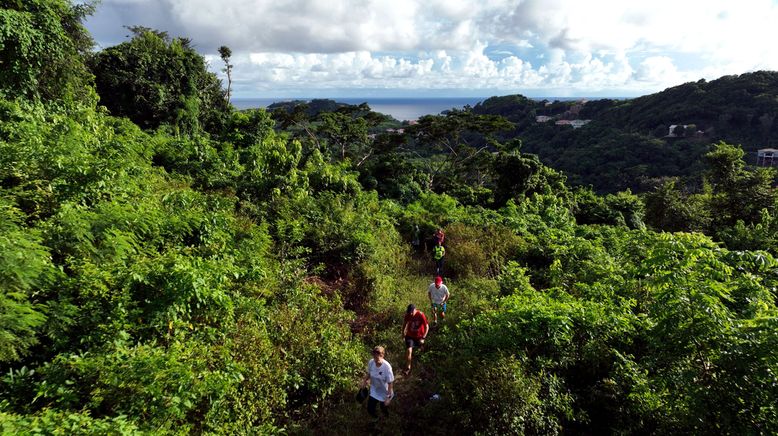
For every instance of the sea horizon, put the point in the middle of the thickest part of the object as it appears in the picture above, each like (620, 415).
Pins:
(401, 108)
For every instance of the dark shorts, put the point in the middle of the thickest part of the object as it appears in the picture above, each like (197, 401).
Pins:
(411, 342)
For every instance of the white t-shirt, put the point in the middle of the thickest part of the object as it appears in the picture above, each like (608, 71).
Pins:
(438, 295)
(380, 377)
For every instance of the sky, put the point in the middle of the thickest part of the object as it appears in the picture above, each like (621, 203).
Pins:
(460, 48)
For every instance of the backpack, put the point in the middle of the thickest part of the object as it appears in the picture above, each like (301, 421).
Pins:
(362, 395)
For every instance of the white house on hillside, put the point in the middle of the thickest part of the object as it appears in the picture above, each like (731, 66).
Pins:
(579, 123)
(574, 123)
(767, 157)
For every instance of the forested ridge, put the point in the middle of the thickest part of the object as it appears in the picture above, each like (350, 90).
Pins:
(629, 143)
(170, 265)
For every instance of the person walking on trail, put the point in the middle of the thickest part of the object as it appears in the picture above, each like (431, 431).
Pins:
(438, 254)
(438, 295)
(380, 377)
(415, 329)
(439, 237)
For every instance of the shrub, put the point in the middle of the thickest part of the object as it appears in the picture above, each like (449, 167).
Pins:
(502, 397)
(313, 336)
(173, 388)
(481, 251)
(55, 422)
(25, 268)
(513, 279)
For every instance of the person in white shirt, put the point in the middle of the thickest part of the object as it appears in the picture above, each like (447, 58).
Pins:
(438, 294)
(381, 379)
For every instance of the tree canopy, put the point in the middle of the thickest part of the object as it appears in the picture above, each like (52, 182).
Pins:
(156, 80)
(42, 49)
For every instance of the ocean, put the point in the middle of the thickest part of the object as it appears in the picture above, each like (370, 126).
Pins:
(400, 108)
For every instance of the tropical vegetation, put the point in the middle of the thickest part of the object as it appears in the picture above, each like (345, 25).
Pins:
(170, 265)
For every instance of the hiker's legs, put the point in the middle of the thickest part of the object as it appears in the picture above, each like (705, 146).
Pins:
(439, 267)
(371, 403)
(442, 311)
(435, 312)
(409, 343)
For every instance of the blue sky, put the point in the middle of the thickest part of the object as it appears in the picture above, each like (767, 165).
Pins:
(450, 48)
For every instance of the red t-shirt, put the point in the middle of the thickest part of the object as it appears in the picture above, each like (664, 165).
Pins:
(440, 236)
(417, 324)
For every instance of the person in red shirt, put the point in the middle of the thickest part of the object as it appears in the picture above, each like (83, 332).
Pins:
(439, 237)
(415, 329)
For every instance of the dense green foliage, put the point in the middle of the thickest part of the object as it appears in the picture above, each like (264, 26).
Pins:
(42, 43)
(628, 332)
(173, 266)
(145, 296)
(737, 205)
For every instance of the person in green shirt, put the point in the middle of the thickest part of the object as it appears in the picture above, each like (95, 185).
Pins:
(438, 254)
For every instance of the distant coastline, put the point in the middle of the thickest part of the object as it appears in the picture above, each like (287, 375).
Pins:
(399, 108)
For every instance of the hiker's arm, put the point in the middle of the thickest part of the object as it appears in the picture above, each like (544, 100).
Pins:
(389, 393)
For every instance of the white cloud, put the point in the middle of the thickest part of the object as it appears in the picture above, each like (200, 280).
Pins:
(274, 72)
(658, 69)
(552, 44)
(723, 31)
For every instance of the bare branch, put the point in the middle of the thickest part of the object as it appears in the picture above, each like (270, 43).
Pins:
(365, 158)
(315, 139)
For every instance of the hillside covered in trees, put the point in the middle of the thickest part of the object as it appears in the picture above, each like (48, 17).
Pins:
(630, 143)
(170, 265)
